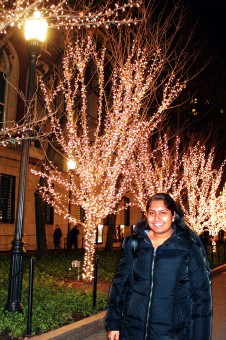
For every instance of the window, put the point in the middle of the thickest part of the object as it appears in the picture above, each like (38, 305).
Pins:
(2, 98)
(49, 213)
(81, 214)
(99, 234)
(194, 101)
(7, 198)
(119, 233)
(116, 234)
(49, 210)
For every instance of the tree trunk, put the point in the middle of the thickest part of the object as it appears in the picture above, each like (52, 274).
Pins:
(40, 225)
(40, 211)
(110, 233)
(90, 238)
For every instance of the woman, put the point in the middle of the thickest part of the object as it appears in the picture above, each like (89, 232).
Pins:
(162, 289)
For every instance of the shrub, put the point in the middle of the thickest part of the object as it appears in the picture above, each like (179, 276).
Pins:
(54, 303)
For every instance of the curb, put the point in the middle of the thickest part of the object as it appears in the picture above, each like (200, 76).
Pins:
(78, 330)
(218, 270)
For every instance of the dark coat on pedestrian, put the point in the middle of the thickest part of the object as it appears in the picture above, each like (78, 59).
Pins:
(57, 236)
(74, 237)
(161, 294)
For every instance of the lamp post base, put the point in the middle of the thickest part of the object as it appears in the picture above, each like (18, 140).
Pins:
(15, 279)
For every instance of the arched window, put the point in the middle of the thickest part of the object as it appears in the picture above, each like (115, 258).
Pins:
(9, 76)
(3, 86)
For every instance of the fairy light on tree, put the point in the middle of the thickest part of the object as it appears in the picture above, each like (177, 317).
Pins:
(107, 91)
(199, 187)
(98, 163)
(185, 172)
(100, 151)
(154, 167)
(62, 16)
(217, 220)
(221, 207)
(67, 14)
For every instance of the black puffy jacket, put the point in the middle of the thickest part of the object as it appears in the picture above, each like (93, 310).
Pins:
(161, 294)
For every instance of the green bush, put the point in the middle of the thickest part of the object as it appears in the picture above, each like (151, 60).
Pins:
(53, 307)
(55, 303)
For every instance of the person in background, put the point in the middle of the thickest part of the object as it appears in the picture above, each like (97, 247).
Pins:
(162, 288)
(57, 237)
(74, 237)
(206, 240)
(221, 235)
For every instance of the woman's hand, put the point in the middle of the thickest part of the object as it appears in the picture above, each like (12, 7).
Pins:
(113, 335)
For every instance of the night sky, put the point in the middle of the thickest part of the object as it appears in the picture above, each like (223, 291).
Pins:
(212, 14)
(213, 17)
(210, 19)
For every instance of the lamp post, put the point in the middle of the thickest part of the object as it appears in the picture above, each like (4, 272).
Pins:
(35, 32)
(71, 166)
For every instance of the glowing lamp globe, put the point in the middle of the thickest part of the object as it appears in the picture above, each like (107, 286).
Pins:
(36, 28)
(71, 164)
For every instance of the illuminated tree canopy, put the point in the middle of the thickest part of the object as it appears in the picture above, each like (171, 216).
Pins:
(125, 85)
(199, 189)
(187, 173)
(154, 168)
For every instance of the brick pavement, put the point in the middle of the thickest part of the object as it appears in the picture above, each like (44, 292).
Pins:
(219, 306)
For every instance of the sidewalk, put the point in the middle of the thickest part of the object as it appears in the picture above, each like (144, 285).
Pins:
(219, 306)
(92, 328)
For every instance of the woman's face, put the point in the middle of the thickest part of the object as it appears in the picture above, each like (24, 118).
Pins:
(160, 218)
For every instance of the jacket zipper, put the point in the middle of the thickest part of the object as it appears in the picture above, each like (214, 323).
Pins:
(152, 283)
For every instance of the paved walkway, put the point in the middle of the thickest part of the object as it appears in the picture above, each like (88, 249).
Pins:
(219, 306)
(219, 311)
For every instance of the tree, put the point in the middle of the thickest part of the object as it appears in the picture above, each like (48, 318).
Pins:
(100, 152)
(116, 85)
(99, 156)
(200, 187)
(154, 167)
(217, 219)
(187, 172)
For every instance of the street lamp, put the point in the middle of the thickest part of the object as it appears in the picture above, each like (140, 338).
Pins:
(71, 166)
(35, 32)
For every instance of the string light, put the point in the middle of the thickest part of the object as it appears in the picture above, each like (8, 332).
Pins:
(63, 15)
(154, 170)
